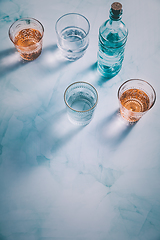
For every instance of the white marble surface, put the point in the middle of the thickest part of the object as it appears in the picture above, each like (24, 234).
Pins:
(63, 182)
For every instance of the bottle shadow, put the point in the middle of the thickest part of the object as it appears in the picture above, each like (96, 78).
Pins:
(114, 129)
(91, 74)
(102, 79)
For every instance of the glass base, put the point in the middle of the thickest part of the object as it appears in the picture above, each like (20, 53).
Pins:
(73, 56)
(108, 72)
(78, 122)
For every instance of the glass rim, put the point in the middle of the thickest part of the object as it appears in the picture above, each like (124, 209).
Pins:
(140, 80)
(26, 18)
(79, 82)
(73, 14)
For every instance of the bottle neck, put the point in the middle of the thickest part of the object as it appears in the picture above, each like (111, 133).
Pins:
(115, 16)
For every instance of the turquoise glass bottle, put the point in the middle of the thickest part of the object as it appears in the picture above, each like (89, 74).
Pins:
(112, 40)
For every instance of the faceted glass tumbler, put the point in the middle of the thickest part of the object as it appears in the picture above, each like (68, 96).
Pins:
(27, 35)
(136, 97)
(72, 35)
(81, 100)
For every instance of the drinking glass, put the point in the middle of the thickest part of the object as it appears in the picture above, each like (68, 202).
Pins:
(136, 97)
(72, 35)
(27, 35)
(81, 100)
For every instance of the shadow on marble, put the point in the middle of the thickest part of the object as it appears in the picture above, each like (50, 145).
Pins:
(52, 60)
(2, 237)
(59, 142)
(62, 130)
(34, 139)
(100, 78)
(10, 60)
(53, 133)
(90, 74)
(114, 129)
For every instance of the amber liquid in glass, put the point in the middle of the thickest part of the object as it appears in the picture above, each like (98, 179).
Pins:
(134, 100)
(29, 44)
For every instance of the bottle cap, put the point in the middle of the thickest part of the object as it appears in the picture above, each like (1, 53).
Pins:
(116, 8)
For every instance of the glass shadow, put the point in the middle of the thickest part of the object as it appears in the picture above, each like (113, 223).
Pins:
(52, 59)
(10, 60)
(114, 129)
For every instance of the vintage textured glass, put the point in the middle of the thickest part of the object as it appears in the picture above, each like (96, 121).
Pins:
(136, 97)
(27, 35)
(81, 99)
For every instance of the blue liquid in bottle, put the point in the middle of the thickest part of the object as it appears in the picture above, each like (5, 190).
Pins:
(112, 39)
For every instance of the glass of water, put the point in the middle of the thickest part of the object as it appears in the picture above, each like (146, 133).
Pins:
(81, 100)
(72, 32)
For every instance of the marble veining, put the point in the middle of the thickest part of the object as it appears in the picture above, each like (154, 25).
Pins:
(59, 181)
